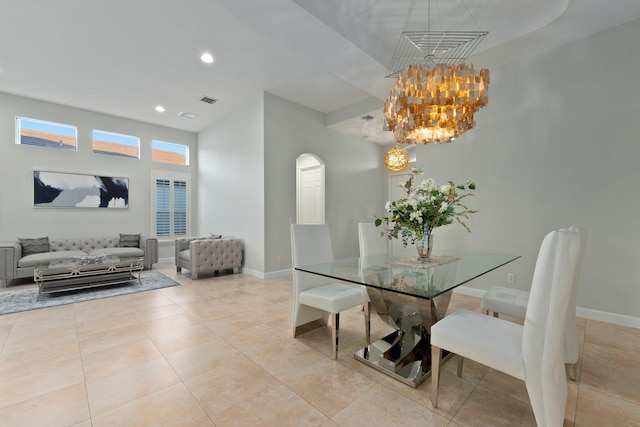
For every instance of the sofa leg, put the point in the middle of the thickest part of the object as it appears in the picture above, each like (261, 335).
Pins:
(194, 276)
(178, 269)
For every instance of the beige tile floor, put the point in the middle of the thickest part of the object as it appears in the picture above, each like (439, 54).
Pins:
(218, 352)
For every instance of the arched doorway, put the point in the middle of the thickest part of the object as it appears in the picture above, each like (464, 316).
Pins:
(309, 189)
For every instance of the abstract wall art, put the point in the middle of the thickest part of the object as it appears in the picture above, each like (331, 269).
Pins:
(68, 190)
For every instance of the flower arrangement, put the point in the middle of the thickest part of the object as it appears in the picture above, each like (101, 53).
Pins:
(425, 206)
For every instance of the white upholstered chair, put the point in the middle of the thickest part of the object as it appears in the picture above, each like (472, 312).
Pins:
(370, 240)
(370, 243)
(532, 352)
(513, 302)
(317, 297)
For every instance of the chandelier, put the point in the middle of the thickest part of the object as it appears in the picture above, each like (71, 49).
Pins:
(436, 94)
(396, 158)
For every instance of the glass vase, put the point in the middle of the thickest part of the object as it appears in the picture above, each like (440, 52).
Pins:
(425, 246)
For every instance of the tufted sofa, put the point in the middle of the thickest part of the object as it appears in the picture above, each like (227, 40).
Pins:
(202, 255)
(13, 265)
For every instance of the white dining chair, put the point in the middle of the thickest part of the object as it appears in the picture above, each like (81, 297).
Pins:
(370, 241)
(317, 297)
(532, 352)
(513, 302)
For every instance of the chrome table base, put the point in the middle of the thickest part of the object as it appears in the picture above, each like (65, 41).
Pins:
(405, 354)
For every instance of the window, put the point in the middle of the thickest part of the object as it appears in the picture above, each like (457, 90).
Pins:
(168, 152)
(46, 134)
(172, 195)
(116, 144)
(179, 208)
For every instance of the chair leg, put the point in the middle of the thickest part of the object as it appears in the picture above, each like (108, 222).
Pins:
(367, 320)
(571, 370)
(335, 328)
(459, 366)
(436, 355)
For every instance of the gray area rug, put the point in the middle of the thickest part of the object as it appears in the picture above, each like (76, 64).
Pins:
(26, 299)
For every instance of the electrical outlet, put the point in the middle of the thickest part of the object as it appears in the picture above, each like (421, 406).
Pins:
(511, 278)
(280, 259)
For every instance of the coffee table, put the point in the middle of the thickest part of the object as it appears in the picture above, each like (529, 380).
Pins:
(86, 272)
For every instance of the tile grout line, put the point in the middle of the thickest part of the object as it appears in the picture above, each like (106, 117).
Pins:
(84, 376)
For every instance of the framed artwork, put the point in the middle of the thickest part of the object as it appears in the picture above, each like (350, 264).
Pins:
(69, 190)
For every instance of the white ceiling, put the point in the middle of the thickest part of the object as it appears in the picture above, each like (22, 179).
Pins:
(124, 57)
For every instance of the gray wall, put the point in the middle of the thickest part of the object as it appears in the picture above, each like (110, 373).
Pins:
(18, 217)
(557, 145)
(247, 179)
(354, 181)
(231, 179)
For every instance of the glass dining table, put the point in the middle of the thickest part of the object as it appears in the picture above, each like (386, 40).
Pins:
(410, 294)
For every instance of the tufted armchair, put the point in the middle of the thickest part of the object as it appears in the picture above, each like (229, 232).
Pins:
(201, 255)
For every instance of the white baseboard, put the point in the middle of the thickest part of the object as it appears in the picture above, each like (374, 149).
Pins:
(279, 273)
(587, 313)
(603, 316)
(465, 290)
(269, 275)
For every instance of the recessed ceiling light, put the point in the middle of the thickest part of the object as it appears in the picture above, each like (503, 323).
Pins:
(160, 109)
(207, 58)
(187, 114)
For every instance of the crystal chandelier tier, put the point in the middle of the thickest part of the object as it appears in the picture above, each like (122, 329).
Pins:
(436, 93)
(435, 104)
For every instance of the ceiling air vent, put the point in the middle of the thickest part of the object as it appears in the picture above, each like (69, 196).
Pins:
(208, 100)
(187, 114)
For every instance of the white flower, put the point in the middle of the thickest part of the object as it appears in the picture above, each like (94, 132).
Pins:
(445, 188)
(424, 203)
